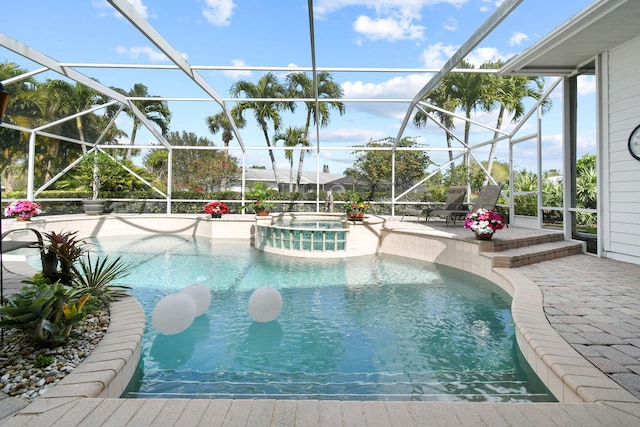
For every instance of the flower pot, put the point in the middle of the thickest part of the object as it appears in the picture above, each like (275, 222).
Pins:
(22, 219)
(355, 216)
(262, 212)
(484, 236)
(94, 207)
(216, 215)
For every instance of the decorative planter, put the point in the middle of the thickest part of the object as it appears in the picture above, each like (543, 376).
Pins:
(22, 219)
(262, 212)
(355, 216)
(484, 236)
(94, 207)
(216, 215)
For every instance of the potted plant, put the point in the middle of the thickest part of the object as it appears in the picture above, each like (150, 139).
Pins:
(260, 206)
(22, 210)
(484, 222)
(96, 169)
(356, 207)
(216, 209)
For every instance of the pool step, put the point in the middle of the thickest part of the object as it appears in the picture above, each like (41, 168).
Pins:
(434, 386)
(529, 250)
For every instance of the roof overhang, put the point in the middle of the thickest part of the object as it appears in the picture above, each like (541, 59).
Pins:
(571, 48)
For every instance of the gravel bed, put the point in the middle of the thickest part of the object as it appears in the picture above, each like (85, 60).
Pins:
(19, 375)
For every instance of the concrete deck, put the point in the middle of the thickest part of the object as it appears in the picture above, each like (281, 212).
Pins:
(578, 314)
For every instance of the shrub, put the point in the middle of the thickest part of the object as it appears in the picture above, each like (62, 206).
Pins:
(96, 278)
(45, 312)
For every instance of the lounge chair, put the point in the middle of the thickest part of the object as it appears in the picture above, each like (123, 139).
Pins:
(417, 213)
(454, 203)
(487, 199)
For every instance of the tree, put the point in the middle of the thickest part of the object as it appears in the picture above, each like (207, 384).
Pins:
(58, 99)
(154, 110)
(22, 110)
(375, 165)
(292, 137)
(267, 87)
(509, 94)
(220, 122)
(194, 167)
(441, 98)
(66, 99)
(301, 86)
(586, 182)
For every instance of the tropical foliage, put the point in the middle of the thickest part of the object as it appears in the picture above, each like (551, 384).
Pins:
(97, 277)
(46, 312)
(71, 284)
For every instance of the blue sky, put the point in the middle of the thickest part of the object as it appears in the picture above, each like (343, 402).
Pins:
(349, 33)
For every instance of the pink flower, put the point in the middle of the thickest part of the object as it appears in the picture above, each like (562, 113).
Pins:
(22, 208)
(483, 221)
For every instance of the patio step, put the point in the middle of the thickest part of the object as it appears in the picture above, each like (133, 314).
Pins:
(525, 255)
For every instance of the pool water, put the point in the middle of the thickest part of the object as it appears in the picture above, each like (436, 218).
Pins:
(363, 328)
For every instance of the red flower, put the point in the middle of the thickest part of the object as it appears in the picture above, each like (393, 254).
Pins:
(216, 207)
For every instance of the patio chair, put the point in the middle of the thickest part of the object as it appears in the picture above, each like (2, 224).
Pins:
(454, 203)
(487, 199)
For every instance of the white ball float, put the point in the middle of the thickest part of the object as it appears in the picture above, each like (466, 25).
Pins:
(173, 314)
(201, 296)
(265, 304)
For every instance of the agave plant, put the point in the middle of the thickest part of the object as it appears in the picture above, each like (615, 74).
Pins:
(96, 277)
(46, 312)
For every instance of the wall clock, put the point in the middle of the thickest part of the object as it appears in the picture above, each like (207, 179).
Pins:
(634, 143)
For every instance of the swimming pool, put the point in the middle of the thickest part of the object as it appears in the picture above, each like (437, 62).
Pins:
(364, 328)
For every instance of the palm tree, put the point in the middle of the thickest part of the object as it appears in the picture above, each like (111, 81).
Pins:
(292, 137)
(440, 97)
(220, 122)
(469, 91)
(509, 93)
(155, 110)
(57, 99)
(66, 99)
(267, 87)
(23, 109)
(301, 86)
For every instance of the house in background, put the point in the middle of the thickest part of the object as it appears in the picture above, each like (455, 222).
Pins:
(602, 40)
(308, 180)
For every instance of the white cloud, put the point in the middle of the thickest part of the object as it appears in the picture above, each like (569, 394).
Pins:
(237, 73)
(389, 28)
(517, 38)
(450, 24)
(135, 52)
(140, 8)
(435, 55)
(325, 7)
(218, 12)
(484, 54)
(391, 19)
(351, 135)
(586, 85)
(489, 5)
(105, 8)
(397, 87)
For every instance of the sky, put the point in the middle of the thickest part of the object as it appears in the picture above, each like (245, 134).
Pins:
(409, 34)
